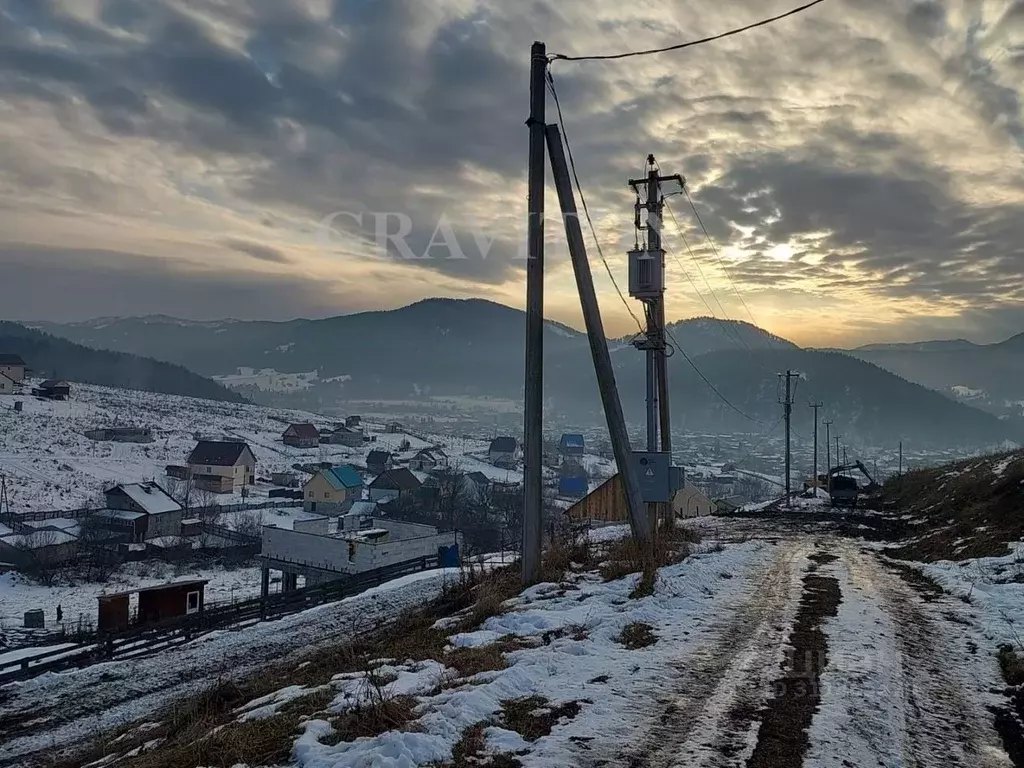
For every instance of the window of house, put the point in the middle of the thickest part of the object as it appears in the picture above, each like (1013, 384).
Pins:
(310, 495)
(209, 470)
(327, 495)
(192, 603)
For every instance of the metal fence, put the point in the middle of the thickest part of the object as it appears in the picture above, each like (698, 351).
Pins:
(145, 640)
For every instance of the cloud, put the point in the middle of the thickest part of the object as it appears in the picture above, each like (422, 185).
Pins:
(864, 153)
(261, 252)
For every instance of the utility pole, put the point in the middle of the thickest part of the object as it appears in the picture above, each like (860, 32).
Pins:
(533, 399)
(837, 449)
(788, 412)
(647, 283)
(828, 456)
(816, 406)
(901, 458)
(639, 522)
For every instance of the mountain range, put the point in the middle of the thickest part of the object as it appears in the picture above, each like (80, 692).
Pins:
(727, 380)
(988, 376)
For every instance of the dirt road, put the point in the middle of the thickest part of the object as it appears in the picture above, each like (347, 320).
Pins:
(834, 659)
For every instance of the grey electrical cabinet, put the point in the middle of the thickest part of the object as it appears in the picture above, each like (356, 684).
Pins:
(646, 274)
(655, 474)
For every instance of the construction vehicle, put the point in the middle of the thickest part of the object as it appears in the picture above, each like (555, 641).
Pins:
(843, 489)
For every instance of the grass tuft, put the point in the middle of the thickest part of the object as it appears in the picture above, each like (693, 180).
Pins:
(637, 634)
(1012, 665)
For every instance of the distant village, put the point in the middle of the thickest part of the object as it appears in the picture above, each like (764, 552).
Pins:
(404, 503)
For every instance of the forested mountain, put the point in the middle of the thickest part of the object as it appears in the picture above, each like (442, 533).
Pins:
(52, 357)
(473, 347)
(989, 376)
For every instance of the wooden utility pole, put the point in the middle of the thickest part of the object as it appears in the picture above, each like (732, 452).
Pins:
(598, 342)
(788, 413)
(901, 458)
(533, 399)
(816, 406)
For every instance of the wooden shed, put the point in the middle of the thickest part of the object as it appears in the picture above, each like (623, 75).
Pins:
(606, 504)
(156, 604)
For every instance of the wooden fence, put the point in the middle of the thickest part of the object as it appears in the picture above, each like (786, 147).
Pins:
(153, 638)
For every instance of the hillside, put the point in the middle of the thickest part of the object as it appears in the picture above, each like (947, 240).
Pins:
(964, 510)
(986, 375)
(49, 356)
(476, 348)
(50, 464)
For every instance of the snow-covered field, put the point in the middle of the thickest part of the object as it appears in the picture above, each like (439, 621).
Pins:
(50, 464)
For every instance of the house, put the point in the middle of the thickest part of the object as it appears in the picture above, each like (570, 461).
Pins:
(689, 501)
(7, 384)
(363, 508)
(222, 466)
(53, 389)
(332, 491)
(571, 444)
(573, 486)
(13, 367)
(394, 428)
(343, 435)
(353, 422)
(394, 484)
(503, 452)
(379, 461)
(301, 436)
(161, 513)
(428, 460)
(480, 481)
(41, 548)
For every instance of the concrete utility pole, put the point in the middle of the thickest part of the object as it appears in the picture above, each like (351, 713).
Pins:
(838, 461)
(828, 455)
(901, 458)
(533, 400)
(598, 342)
(788, 412)
(816, 406)
(647, 283)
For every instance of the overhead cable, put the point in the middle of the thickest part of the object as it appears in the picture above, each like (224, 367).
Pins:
(680, 46)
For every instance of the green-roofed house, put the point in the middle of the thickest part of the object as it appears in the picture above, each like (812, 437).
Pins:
(332, 491)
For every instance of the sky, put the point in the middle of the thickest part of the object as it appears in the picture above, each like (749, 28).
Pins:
(858, 166)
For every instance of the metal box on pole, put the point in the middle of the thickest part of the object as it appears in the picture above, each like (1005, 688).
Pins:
(646, 274)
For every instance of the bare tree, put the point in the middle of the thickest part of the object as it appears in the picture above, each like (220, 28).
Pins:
(96, 543)
(250, 522)
(42, 555)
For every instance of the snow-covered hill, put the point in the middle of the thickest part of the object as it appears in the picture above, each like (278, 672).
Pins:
(50, 464)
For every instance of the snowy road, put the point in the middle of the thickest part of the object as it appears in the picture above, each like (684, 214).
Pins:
(902, 679)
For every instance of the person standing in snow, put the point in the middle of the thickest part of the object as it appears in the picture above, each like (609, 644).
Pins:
(60, 614)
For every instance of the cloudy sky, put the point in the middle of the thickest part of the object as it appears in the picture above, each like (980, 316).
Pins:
(859, 165)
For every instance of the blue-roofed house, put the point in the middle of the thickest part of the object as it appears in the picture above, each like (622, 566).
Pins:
(573, 486)
(571, 445)
(332, 491)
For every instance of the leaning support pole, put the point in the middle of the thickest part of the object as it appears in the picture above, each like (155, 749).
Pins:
(533, 401)
(598, 343)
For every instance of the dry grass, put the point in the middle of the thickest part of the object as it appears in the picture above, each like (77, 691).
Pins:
(637, 634)
(626, 557)
(1012, 665)
(533, 716)
(482, 658)
(469, 752)
(381, 714)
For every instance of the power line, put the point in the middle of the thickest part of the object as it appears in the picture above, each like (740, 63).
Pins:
(714, 389)
(718, 257)
(690, 44)
(726, 328)
(583, 202)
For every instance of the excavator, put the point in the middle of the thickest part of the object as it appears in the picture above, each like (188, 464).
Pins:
(843, 488)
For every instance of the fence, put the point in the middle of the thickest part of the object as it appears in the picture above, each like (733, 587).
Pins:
(152, 638)
(213, 509)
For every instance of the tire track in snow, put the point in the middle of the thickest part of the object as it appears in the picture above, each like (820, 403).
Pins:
(722, 684)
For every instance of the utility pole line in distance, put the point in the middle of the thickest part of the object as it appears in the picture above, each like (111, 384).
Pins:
(816, 406)
(828, 455)
(788, 411)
